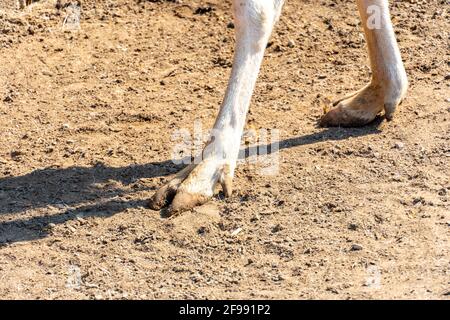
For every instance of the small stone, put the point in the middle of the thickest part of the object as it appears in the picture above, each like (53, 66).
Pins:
(236, 232)
(353, 226)
(201, 231)
(16, 154)
(278, 278)
(81, 220)
(356, 247)
(277, 228)
(230, 25)
(8, 99)
(333, 290)
(291, 43)
(418, 201)
(399, 145)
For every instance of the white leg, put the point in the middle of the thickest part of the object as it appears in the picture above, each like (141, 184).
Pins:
(254, 20)
(389, 82)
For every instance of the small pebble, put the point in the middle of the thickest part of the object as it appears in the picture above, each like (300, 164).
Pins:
(8, 99)
(353, 226)
(81, 220)
(277, 228)
(201, 231)
(399, 145)
(236, 232)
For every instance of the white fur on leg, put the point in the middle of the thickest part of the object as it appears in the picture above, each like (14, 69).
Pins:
(387, 66)
(254, 20)
(389, 83)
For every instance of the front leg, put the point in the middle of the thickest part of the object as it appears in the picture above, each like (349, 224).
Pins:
(254, 20)
(389, 82)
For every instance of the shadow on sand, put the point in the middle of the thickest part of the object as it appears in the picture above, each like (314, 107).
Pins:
(72, 187)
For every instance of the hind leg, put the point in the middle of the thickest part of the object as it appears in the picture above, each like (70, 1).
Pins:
(389, 83)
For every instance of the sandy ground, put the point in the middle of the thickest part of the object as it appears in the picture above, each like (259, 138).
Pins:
(86, 122)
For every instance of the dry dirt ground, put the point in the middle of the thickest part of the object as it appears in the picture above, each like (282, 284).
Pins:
(86, 122)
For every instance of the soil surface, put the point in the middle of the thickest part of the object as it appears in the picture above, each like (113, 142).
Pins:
(87, 117)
